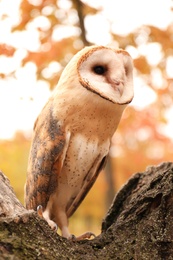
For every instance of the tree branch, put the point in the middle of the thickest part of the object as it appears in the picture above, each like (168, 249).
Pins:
(79, 8)
(138, 225)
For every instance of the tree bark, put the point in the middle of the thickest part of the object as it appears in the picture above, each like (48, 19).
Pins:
(109, 177)
(138, 225)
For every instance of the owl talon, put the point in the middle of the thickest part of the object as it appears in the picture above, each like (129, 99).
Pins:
(86, 235)
(53, 226)
(40, 211)
(72, 238)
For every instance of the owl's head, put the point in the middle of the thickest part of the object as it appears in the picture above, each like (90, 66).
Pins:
(107, 72)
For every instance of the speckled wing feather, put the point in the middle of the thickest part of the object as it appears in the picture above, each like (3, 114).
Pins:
(45, 161)
(88, 182)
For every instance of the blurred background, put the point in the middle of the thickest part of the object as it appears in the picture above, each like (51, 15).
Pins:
(39, 37)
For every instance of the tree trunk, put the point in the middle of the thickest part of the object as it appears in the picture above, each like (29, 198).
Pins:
(138, 225)
(109, 177)
(80, 11)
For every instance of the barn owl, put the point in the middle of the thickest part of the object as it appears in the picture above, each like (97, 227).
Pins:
(72, 134)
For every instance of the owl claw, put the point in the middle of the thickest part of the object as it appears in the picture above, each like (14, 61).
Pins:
(53, 226)
(72, 238)
(40, 211)
(86, 235)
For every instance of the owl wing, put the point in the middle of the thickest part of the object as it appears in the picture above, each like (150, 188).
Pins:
(47, 154)
(88, 182)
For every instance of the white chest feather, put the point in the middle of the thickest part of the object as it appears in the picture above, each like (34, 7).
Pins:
(81, 155)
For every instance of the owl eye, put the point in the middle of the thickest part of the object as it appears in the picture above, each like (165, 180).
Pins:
(100, 70)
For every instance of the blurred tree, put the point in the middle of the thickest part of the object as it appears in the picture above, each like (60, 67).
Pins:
(63, 35)
(60, 29)
(13, 160)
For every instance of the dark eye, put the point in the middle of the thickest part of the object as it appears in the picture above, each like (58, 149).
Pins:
(100, 70)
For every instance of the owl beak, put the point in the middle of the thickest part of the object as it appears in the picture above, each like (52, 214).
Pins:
(117, 86)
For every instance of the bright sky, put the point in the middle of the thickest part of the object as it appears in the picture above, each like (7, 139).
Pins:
(22, 97)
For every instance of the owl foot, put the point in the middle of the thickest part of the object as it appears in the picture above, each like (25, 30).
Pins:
(40, 211)
(86, 235)
(50, 222)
